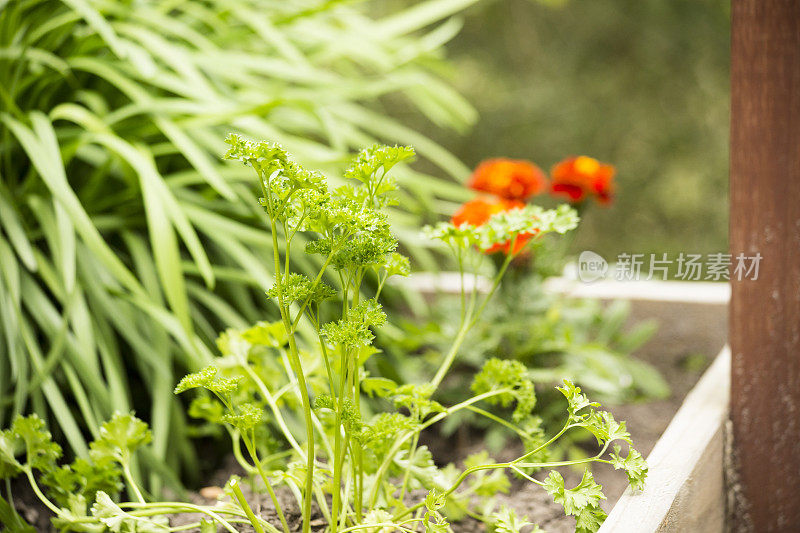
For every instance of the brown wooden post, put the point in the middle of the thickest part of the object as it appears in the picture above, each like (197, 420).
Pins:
(765, 218)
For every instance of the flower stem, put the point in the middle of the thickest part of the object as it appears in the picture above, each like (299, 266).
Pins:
(469, 317)
(237, 492)
(451, 355)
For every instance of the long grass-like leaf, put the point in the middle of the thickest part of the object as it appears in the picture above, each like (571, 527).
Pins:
(420, 15)
(43, 154)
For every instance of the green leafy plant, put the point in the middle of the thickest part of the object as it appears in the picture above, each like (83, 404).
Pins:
(557, 336)
(125, 245)
(298, 407)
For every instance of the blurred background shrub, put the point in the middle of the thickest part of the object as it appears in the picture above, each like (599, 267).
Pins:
(640, 84)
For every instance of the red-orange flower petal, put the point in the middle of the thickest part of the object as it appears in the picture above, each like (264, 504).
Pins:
(578, 178)
(512, 179)
(478, 211)
(522, 241)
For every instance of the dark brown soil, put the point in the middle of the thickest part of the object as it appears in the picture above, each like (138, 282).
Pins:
(28, 505)
(261, 505)
(688, 339)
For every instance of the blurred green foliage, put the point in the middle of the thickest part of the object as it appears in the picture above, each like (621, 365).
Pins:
(643, 85)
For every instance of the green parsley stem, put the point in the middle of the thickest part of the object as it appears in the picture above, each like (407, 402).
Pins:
(126, 471)
(555, 437)
(501, 421)
(495, 466)
(470, 317)
(338, 454)
(50, 505)
(176, 507)
(273, 405)
(297, 367)
(402, 439)
(251, 448)
(237, 492)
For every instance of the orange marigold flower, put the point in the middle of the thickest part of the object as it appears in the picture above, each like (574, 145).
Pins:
(478, 211)
(512, 179)
(580, 177)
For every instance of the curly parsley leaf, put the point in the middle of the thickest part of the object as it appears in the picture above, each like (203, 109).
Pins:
(511, 376)
(577, 401)
(505, 227)
(416, 398)
(196, 380)
(294, 194)
(583, 500)
(118, 521)
(353, 330)
(119, 438)
(382, 431)
(369, 243)
(376, 517)
(603, 426)
(207, 379)
(28, 434)
(397, 265)
(589, 520)
(433, 521)
(299, 288)
(83, 478)
(351, 420)
(506, 520)
(10, 447)
(374, 162)
(264, 156)
(455, 236)
(248, 417)
(634, 465)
